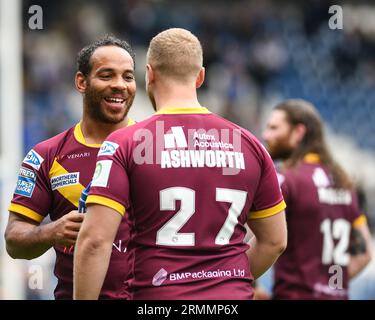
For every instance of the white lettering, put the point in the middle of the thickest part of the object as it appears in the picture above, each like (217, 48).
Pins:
(165, 160)
(36, 20)
(202, 158)
(334, 196)
(336, 21)
(36, 277)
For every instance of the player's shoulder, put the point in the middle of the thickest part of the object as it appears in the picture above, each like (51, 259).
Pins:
(46, 149)
(54, 142)
(301, 174)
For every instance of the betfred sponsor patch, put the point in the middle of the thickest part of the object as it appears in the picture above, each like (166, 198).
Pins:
(26, 182)
(65, 180)
(33, 159)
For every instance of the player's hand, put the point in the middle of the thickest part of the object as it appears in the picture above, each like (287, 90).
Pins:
(67, 227)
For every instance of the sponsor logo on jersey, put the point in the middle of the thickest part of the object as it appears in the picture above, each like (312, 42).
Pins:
(160, 277)
(26, 182)
(33, 159)
(65, 180)
(192, 148)
(204, 274)
(175, 139)
(78, 155)
(101, 174)
(219, 155)
(108, 148)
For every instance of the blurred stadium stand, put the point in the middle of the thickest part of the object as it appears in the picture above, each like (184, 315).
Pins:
(256, 54)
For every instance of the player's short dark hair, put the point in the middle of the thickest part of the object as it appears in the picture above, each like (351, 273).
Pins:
(84, 56)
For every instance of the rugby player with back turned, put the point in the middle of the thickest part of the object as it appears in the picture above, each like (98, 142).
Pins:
(190, 180)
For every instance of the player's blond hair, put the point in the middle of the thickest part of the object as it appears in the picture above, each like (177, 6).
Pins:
(176, 54)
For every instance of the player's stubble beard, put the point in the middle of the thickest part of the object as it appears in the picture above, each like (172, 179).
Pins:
(93, 102)
(280, 148)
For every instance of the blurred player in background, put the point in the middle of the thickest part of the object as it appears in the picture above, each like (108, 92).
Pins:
(56, 171)
(325, 225)
(189, 216)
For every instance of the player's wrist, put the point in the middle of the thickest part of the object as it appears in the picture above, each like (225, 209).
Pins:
(50, 233)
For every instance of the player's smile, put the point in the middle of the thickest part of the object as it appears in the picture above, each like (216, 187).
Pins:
(115, 103)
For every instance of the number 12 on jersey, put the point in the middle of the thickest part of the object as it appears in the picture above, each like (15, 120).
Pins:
(338, 229)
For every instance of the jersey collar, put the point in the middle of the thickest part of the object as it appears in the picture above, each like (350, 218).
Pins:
(195, 110)
(81, 139)
(130, 122)
(311, 158)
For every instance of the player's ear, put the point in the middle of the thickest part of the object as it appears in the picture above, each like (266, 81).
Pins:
(200, 78)
(150, 74)
(299, 132)
(80, 81)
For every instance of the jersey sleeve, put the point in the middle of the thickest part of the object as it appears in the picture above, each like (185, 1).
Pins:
(110, 183)
(32, 195)
(268, 199)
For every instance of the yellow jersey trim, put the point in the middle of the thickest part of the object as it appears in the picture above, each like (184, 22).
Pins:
(106, 202)
(71, 193)
(130, 122)
(25, 211)
(311, 158)
(267, 212)
(78, 134)
(361, 220)
(196, 110)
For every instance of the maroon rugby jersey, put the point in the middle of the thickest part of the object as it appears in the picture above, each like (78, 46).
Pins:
(320, 219)
(51, 179)
(189, 180)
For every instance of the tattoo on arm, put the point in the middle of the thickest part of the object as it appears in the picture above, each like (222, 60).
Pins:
(357, 243)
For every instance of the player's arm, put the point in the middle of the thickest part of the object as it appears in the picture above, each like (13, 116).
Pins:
(360, 249)
(268, 243)
(26, 239)
(93, 250)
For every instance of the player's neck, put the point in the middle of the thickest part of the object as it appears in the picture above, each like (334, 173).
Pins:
(176, 97)
(178, 104)
(95, 132)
